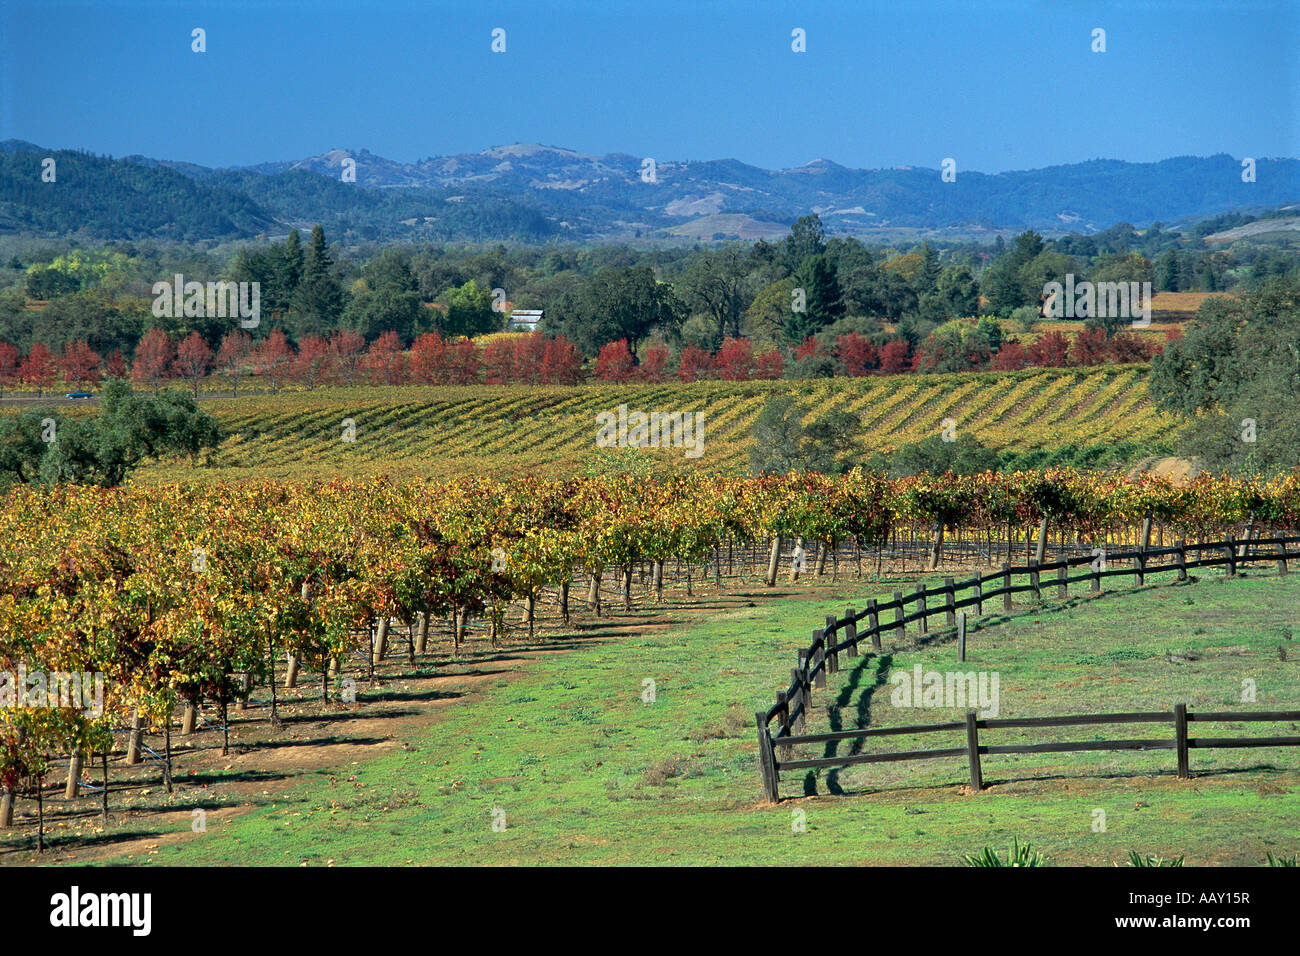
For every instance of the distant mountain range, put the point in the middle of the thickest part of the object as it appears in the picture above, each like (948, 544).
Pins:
(529, 192)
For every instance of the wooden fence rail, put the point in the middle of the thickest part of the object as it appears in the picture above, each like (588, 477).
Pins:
(1178, 720)
(842, 636)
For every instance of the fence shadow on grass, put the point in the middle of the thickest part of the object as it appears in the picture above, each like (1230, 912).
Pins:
(862, 716)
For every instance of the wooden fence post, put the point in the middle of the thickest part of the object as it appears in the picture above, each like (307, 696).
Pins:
(832, 655)
(819, 658)
(1180, 734)
(873, 623)
(851, 632)
(898, 615)
(950, 599)
(133, 739)
(1006, 583)
(979, 593)
(1095, 585)
(766, 760)
(973, 752)
(783, 706)
(1232, 556)
(924, 620)
(1142, 551)
(800, 681)
(1182, 559)
(1033, 582)
(1062, 588)
(74, 774)
(961, 637)
(1281, 560)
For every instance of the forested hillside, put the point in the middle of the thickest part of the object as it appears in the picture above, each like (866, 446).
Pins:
(532, 193)
(102, 197)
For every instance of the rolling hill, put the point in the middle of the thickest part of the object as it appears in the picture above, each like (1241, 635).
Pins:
(533, 193)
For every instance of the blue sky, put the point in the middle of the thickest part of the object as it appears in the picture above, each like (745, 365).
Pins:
(997, 86)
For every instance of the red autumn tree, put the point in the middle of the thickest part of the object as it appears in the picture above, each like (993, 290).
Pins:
(79, 363)
(695, 364)
(894, 357)
(348, 348)
(153, 359)
(856, 354)
(654, 364)
(529, 357)
(429, 358)
(463, 363)
(735, 360)
(1051, 350)
(499, 361)
(809, 346)
(1088, 348)
(614, 363)
(8, 365)
(38, 368)
(272, 359)
(561, 362)
(193, 360)
(770, 365)
(385, 363)
(115, 366)
(234, 356)
(1010, 357)
(1127, 347)
(312, 366)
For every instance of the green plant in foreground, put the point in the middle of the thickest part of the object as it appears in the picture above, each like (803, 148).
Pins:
(1017, 856)
(1281, 860)
(1152, 860)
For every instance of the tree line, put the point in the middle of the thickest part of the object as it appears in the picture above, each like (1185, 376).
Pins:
(775, 294)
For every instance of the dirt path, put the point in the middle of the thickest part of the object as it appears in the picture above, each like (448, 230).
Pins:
(314, 738)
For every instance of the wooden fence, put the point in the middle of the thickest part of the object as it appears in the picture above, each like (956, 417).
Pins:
(842, 636)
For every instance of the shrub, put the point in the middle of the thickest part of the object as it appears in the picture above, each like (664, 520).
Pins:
(1018, 855)
(1152, 860)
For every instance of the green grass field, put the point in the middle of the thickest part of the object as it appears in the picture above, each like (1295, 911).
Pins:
(581, 770)
(510, 430)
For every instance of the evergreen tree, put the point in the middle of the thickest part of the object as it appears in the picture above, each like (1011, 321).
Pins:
(266, 267)
(319, 261)
(927, 277)
(1003, 284)
(959, 292)
(293, 261)
(807, 238)
(318, 301)
(823, 300)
